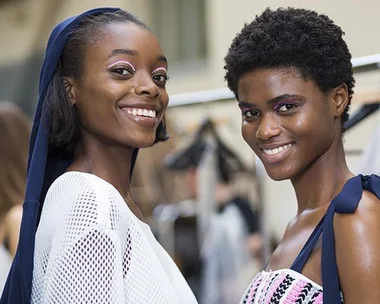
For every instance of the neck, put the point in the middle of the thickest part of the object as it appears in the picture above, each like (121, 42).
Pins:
(318, 184)
(109, 162)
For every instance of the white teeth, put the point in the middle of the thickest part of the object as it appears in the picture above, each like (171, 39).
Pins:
(276, 150)
(140, 112)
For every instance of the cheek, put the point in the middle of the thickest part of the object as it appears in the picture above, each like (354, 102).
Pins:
(98, 112)
(98, 116)
(316, 131)
(304, 126)
(165, 101)
(98, 99)
(248, 132)
(244, 133)
(164, 98)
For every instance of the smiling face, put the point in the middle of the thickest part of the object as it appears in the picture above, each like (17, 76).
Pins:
(287, 121)
(121, 97)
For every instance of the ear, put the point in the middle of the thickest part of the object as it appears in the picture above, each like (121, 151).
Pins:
(68, 83)
(340, 98)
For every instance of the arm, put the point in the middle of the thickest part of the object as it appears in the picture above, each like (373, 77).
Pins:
(357, 248)
(12, 227)
(88, 270)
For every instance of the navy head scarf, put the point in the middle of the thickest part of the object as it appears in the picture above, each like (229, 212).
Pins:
(43, 168)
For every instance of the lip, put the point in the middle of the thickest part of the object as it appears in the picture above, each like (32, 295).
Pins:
(149, 122)
(274, 158)
(273, 145)
(142, 105)
(145, 121)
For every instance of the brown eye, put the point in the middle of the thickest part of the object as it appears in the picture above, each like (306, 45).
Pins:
(286, 107)
(161, 78)
(122, 71)
(250, 113)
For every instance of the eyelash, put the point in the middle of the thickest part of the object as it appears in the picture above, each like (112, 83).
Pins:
(121, 70)
(245, 113)
(249, 112)
(166, 78)
(279, 106)
(117, 70)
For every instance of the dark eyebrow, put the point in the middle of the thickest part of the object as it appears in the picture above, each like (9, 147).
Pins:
(122, 52)
(134, 53)
(282, 97)
(162, 58)
(273, 100)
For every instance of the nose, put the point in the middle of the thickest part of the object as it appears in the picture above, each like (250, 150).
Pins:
(146, 86)
(269, 127)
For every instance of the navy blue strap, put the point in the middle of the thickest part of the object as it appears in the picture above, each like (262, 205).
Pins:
(345, 202)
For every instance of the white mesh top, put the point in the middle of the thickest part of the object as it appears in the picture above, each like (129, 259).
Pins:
(91, 248)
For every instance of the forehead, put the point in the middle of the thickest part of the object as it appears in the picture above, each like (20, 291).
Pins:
(267, 83)
(123, 36)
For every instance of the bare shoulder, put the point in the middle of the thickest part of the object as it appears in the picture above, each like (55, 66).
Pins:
(357, 245)
(79, 197)
(366, 216)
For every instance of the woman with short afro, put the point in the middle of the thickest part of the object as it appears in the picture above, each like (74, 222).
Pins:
(291, 72)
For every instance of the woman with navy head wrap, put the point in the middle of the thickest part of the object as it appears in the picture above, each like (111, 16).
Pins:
(102, 97)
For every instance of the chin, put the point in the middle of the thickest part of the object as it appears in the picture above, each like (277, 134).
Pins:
(145, 145)
(279, 174)
(145, 142)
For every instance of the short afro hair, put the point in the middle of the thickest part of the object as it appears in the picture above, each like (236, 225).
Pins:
(292, 38)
